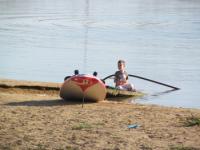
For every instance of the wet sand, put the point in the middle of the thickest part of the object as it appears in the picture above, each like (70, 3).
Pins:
(36, 118)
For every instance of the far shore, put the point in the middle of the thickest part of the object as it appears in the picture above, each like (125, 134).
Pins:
(33, 116)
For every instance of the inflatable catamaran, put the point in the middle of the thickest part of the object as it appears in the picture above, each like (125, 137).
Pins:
(91, 88)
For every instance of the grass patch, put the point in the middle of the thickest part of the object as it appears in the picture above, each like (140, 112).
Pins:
(182, 148)
(99, 124)
(82, 125)
(40, 147)
(145, 147)
(192, 121)
(5, 147)
(71, 148)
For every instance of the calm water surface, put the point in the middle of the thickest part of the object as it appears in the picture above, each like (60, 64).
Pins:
(45, 40)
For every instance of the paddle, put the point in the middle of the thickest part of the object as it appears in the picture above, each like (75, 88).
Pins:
(139, 77)
(112, 75)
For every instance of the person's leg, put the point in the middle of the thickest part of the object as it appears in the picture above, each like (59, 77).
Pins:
(129, 87)
(132, 87)
(120, 87)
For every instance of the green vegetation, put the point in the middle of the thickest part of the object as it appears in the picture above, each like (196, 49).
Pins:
(5, 147)
(40, 147)
(82, 125)
(182, 148)
(145, 147)
(99, 124)
(192, 121)
(71, 148)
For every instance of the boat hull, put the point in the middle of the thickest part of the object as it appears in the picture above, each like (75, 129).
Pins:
(113, 92)
(85, 87)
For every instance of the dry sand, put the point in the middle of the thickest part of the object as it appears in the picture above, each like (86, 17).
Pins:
(38, 119)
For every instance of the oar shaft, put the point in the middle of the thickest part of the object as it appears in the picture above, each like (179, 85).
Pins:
(176, 88)
(108, 77)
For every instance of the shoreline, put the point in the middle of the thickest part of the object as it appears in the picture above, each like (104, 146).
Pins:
(37, 118)
(11, 83)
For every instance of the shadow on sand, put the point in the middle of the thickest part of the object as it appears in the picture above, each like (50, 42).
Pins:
(55, 102)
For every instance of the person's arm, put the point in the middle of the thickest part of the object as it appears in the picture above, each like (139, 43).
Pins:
(115, 79)
(126, 75)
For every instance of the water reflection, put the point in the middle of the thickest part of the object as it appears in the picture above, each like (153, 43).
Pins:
(164, 92)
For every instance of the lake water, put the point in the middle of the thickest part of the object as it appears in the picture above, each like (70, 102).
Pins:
(45, 40)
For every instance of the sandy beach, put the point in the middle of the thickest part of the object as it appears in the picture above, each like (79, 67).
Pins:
(33, 116)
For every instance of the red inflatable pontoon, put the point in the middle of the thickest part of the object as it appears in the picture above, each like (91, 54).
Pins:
(88, 87)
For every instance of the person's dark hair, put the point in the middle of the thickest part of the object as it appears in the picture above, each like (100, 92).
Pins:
(121, 61)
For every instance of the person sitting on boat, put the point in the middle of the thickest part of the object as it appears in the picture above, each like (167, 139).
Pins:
(121, 78)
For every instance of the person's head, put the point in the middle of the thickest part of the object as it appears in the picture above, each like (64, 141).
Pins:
(121, 65)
